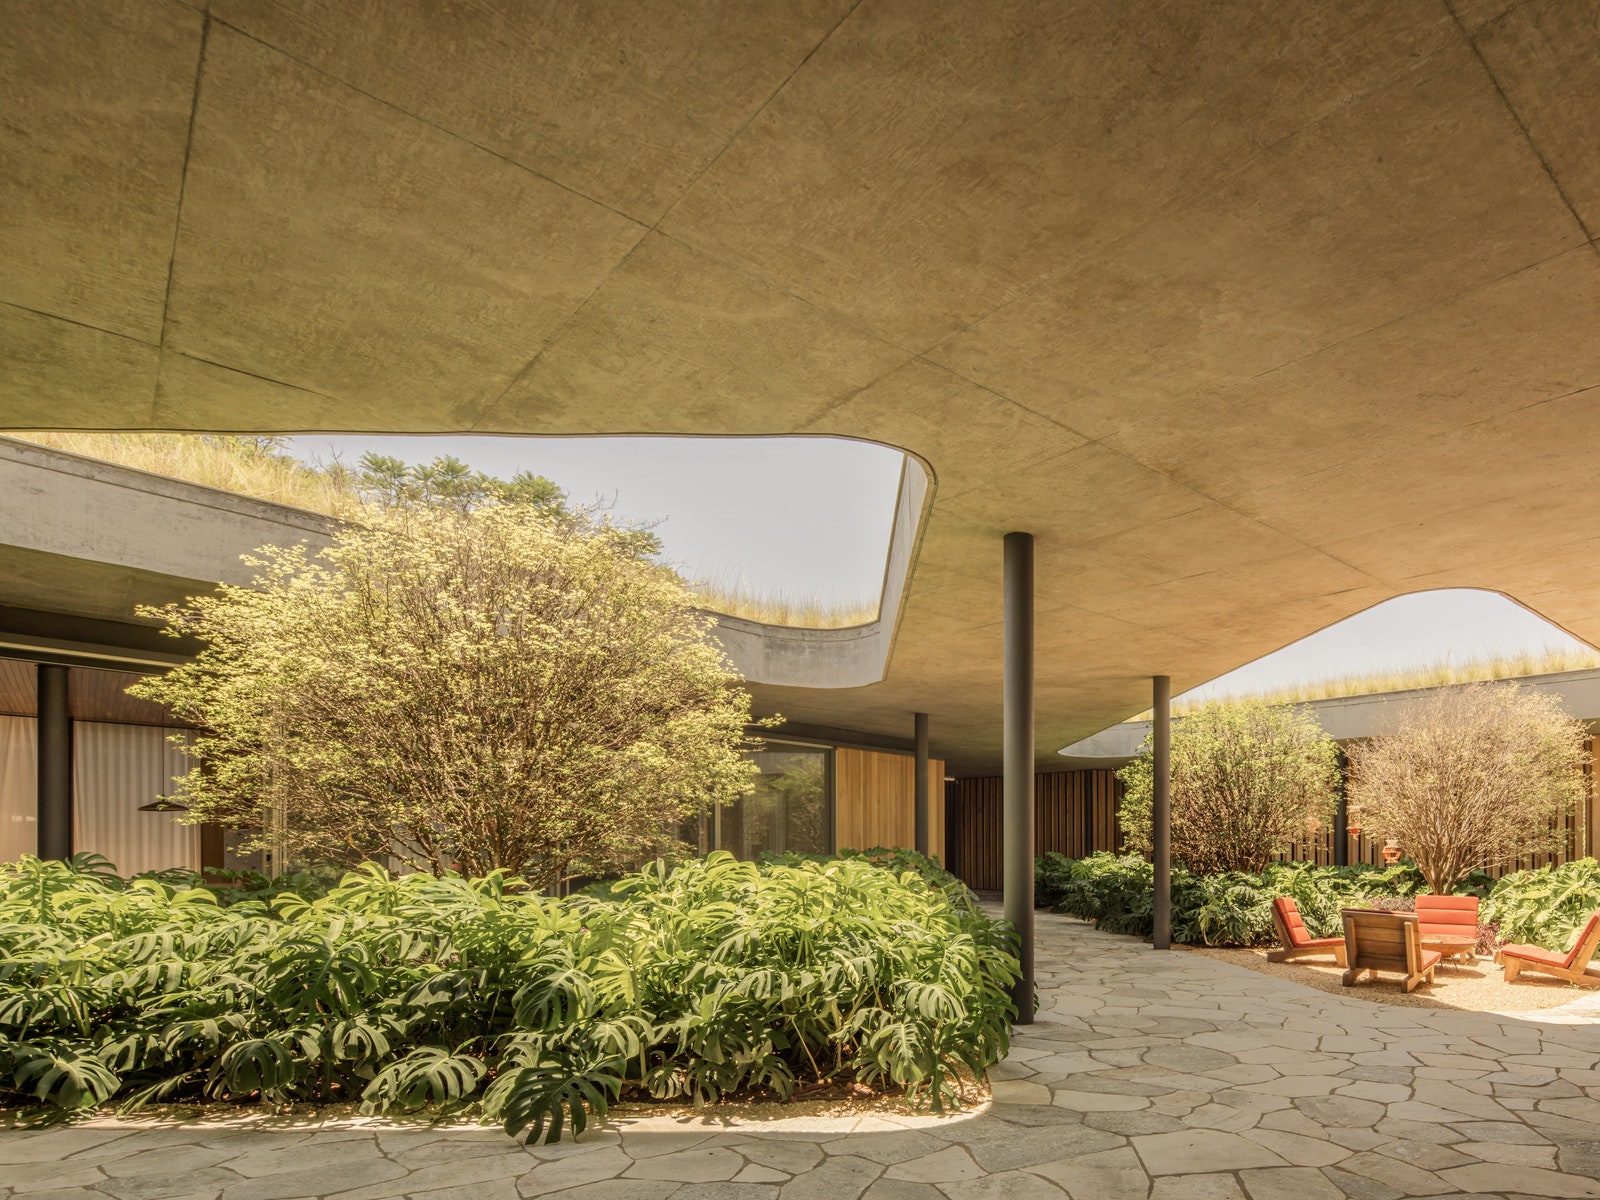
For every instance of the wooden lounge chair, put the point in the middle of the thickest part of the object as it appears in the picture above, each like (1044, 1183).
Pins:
(1449, 924)
(1295, 939)
(1573, 966)
(1386, 941)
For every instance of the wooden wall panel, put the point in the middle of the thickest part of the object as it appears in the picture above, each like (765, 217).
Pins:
(1075, 813)
(875, 800)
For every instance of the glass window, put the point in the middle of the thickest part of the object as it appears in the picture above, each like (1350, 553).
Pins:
(790, 809)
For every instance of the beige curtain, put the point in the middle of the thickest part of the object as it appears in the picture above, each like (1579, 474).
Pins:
(116, 769)
(19, 787)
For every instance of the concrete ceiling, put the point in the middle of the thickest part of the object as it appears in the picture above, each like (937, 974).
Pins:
(1255, 314)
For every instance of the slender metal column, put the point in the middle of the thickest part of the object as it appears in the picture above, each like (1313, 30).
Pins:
(1018, 759)
(55, 764)
(1161, 809)
(921, 789)
(1341, 819)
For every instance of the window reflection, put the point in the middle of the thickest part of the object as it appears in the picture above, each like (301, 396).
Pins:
(790, 808)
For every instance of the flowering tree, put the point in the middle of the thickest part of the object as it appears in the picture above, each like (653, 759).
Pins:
(1248, 779)
(1471, 777)
(507, 685)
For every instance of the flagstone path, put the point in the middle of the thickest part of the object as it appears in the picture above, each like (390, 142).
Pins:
(1147, 1076)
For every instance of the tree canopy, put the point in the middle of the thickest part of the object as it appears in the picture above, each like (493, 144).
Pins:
(463, 685)
(1471, 777)
(1248, 779)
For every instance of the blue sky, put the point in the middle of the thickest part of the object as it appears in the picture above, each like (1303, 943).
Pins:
(810, 517)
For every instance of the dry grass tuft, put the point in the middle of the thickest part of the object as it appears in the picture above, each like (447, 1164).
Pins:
(1469, 670)
(782, 608)
(228, 463)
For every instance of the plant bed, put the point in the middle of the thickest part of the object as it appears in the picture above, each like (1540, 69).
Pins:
(1229, 908)
(451, 995)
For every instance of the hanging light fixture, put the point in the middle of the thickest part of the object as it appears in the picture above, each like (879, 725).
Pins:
(163, 805)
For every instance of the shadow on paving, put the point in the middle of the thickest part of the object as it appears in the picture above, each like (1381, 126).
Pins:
(1146, 1075)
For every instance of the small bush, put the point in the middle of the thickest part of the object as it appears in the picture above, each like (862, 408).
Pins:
(1248, 780)
(714, 978)
(1545, 907)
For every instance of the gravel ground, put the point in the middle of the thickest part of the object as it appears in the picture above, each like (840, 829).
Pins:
(1478, 987)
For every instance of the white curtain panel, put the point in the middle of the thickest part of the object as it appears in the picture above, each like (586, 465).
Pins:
(115, 770)
(19, 787)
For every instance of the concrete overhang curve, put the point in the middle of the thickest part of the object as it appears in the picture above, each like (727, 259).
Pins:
(93, 540)
(1253, 314)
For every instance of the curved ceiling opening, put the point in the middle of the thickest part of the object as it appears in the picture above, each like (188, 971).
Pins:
(782, 530)
(788, 531)
(1423, 639)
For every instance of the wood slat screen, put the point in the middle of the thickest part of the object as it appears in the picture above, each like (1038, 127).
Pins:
(875, 800)
(1578, 831)
(1075, 813)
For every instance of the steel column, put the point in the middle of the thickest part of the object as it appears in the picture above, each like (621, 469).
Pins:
(920, 790)
(55, 764)
(1018, 759)
(1161, 809)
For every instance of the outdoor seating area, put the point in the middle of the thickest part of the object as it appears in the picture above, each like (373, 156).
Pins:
(1442, 932)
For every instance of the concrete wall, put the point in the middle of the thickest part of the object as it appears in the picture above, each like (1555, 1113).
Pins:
(1346, 718)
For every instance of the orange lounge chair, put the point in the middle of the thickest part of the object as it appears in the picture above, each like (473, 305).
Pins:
(1448, 921)
(1573, 966)
(1296, 939)
(1386, 941)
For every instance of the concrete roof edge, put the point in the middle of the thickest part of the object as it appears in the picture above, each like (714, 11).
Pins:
(791, 656)
(1347, 718)
(68, 463)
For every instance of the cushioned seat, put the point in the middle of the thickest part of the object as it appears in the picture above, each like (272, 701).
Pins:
(1447, 916)
(1573, 966)
(1295, 940)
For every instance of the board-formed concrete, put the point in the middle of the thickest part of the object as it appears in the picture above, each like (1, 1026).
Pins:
(1254, 314)
(1147, 1076)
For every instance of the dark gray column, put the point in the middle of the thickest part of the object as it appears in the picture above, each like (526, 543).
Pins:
(1161, 809)
(55, 764)
(921, 788)
(1017, 790)
(1341, 819)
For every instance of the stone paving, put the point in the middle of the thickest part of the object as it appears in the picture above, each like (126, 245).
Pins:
(1147, 1076)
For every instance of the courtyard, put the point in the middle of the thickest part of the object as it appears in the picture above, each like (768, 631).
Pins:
(1145, 1074)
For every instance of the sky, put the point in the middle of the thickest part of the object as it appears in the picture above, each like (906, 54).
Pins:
(801, 517)
(1419, 630)
(810, 517)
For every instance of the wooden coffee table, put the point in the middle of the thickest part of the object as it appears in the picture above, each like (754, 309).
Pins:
(1454, 949)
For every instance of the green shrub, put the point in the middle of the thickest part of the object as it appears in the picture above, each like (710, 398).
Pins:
(896, 859)
(1229, 908)
(1547, 906)
(421, 992)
